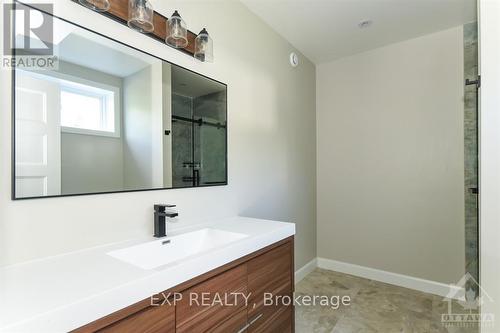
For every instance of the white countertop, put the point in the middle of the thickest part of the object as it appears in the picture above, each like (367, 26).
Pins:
(64, 292)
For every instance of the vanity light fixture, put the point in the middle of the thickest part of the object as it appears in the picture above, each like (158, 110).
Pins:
(140, 15)
(96, 5)
(176, 32)
(203, 47)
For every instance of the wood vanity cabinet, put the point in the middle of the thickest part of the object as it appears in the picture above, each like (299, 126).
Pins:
(268, 271)
(196, 317)
(153, 319)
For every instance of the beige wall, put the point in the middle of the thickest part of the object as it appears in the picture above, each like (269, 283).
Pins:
(390, 158)
(272, 172)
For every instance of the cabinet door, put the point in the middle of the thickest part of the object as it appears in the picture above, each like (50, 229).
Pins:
(154, 319)
(269, 274)
(210, 303)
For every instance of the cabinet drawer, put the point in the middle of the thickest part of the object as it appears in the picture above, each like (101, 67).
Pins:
(270, 272)
(200, 309)
(153, 319)
(281, 321)
(233, 324)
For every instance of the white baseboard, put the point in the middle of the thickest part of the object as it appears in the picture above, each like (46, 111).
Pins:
(306, 269)
(427, 286)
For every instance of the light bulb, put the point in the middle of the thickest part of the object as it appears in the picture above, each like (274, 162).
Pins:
(203, 49)
(176, 31)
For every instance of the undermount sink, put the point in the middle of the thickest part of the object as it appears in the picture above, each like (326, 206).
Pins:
(170, 249)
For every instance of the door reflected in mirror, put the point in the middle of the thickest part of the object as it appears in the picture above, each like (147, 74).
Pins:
(110, 118)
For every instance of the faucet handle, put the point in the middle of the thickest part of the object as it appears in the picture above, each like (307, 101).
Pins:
(161, 207)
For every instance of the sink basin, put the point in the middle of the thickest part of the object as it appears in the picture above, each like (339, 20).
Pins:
(170, 249)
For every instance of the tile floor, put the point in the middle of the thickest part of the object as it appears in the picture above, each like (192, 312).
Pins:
(375, 307)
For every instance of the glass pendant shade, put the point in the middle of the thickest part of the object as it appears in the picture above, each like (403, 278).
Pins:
(203, 47)
(97, 5)
(140, 15)
(176, 32)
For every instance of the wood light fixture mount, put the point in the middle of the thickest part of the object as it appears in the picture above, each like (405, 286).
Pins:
(118, 11)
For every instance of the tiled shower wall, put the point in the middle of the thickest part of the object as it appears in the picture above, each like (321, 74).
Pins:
(471, 150)
(181, 140)
(210, 146)
(209, 142)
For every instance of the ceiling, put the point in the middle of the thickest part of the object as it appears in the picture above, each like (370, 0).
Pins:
(325, 30)
(190, 84)
(84, 48)
(110, 57)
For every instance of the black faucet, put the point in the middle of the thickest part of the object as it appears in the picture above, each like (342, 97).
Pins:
(160, 222)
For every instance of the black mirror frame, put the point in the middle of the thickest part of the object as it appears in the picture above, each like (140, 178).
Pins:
(13, 119)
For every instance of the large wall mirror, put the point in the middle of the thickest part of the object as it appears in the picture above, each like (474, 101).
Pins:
(110, 118)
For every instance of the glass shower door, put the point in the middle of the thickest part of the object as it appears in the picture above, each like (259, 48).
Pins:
(209, 153)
